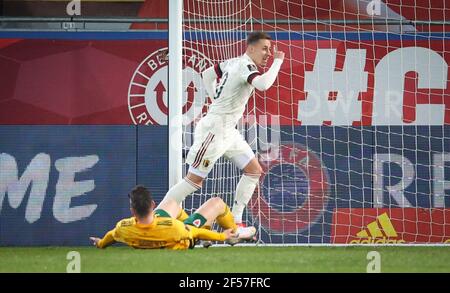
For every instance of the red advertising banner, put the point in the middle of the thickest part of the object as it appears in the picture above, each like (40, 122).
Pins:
(395, 225)
(69, 81)
(333, 82)
(326, 79)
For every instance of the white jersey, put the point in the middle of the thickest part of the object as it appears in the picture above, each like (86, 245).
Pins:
(234, 88)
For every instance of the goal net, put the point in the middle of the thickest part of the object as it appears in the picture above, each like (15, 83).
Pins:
(353, 136)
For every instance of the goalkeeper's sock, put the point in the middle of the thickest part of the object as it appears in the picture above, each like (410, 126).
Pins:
(179, 191)
(226, 220)
(244, 192)
(182, 215)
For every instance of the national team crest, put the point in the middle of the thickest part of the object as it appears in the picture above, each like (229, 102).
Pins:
(197, 223)
(148, 90)
(205, 163)
(295, 196)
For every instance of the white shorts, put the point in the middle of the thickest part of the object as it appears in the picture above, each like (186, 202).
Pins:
(212, 141)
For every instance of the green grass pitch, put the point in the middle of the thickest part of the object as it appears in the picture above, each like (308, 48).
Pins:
(226, 259)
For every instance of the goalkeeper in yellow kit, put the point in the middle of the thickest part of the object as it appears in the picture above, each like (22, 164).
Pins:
(169, 226)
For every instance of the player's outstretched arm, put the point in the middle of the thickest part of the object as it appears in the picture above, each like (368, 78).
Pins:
(205, 234)
(107, 240)
(229, 233)
(264, 81)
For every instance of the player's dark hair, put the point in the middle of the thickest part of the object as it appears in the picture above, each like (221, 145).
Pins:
(254, 37)
(141, 200)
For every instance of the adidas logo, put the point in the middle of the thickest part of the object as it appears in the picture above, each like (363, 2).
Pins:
(379, 231)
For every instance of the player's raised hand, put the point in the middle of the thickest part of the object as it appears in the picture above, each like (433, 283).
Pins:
(278, 54)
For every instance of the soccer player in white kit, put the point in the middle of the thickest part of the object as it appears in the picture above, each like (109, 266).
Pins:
(216, 134)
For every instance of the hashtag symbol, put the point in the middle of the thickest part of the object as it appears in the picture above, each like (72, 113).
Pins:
(332, 96)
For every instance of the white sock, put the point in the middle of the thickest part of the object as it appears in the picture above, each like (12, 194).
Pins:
(244, 192)
(179, 191)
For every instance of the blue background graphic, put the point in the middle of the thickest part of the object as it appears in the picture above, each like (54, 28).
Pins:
(127, 155)
(130, 155)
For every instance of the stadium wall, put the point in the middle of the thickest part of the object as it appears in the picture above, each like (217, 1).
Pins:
(70, 150)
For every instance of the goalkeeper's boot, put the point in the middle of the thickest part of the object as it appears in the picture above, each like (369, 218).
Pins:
(243, 234)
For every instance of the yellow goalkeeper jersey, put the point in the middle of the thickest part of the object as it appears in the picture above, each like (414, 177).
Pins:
(161, 233)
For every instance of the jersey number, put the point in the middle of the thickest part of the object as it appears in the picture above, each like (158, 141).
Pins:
(221, 85)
